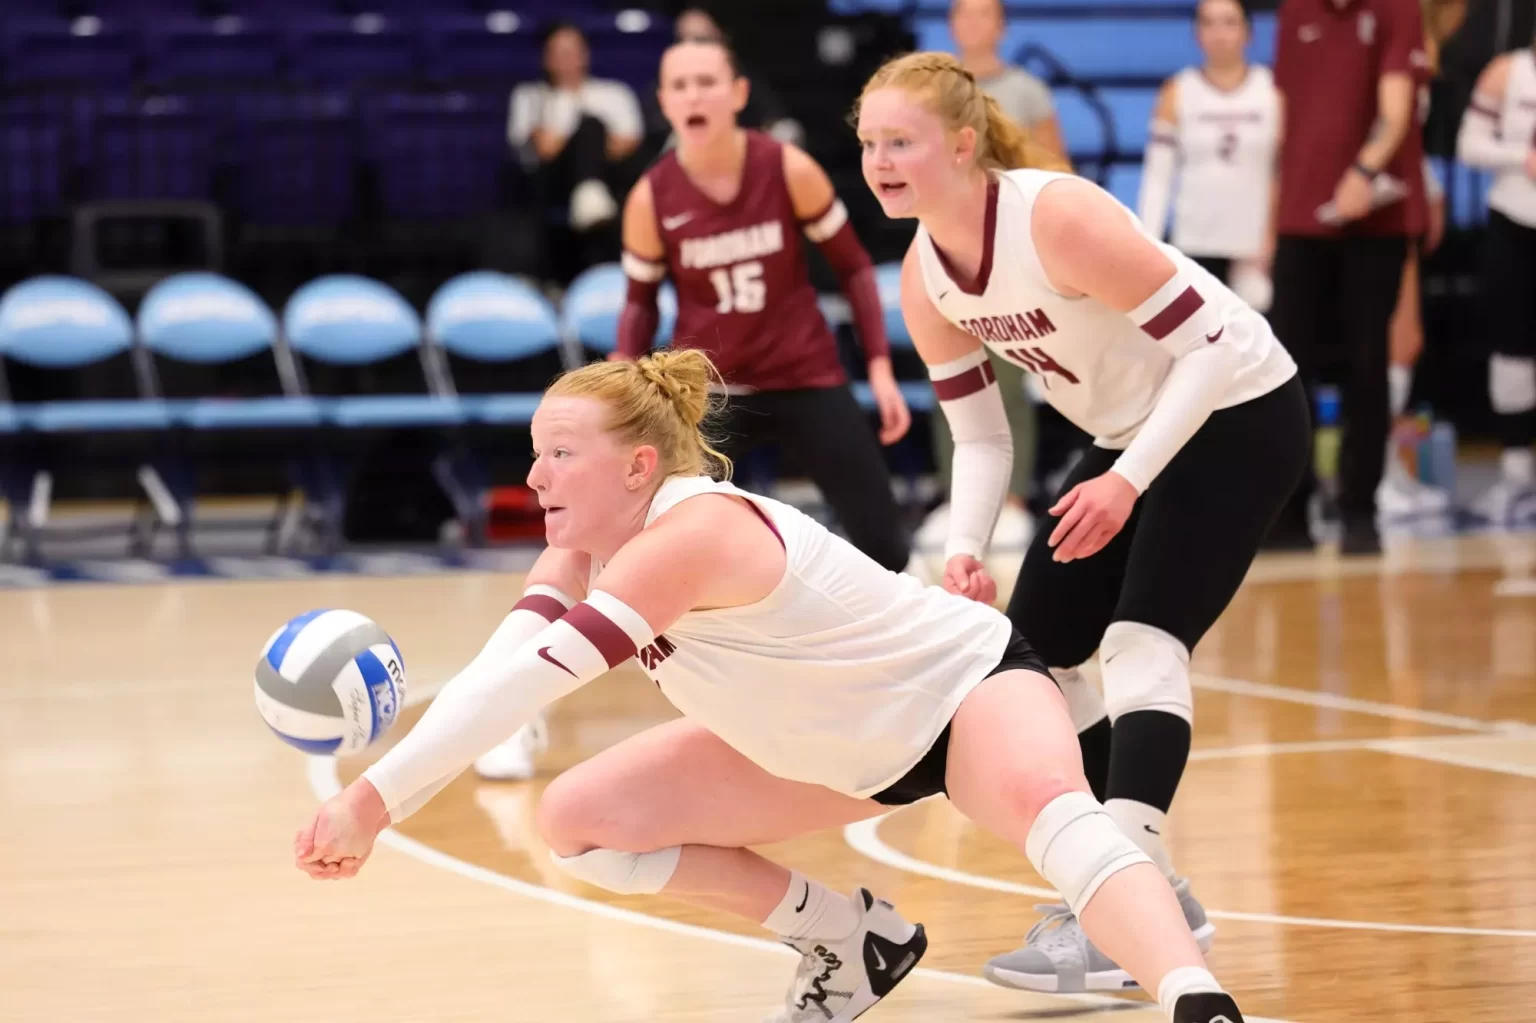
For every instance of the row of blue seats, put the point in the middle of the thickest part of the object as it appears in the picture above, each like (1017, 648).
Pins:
(314, 47)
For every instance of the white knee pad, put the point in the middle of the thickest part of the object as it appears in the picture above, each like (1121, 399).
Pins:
(1077, 847)
(623, 872)
(1083, 701)
(1511, 384)
(1145, 669)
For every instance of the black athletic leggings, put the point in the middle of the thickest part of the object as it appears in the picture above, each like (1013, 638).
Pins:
(1509, 281)
(1188, 543)
(830, 438)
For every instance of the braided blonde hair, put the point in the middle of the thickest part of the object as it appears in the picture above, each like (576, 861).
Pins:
(661, 399)
(943, 84)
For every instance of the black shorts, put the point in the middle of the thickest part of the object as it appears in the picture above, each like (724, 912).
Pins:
(927, 775)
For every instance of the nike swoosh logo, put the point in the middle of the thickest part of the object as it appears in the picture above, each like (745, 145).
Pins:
(1149, 828)
(942, 294)
(544, 653)
(1213, 338)
(673, 223)
(805, 899)
(879, 959)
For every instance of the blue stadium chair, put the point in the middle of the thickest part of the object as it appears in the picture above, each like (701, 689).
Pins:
(1125, 183)
(436, 156)
(377, 385)
(220, 329)
(360, 48)
(190, 49)
(507, 337)
(58, 325)
(589, 313)
(1083, 128)
(497, 47)
(88, 50)
(913, 381)
(155, 148)
(1131, 108)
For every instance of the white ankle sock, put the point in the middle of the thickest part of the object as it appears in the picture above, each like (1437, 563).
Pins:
(1143, 825)
(1518, 465)
(1399, 383)
(1186, 980)
(810, 910)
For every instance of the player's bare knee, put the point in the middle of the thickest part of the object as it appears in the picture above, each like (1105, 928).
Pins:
(1145, 668)
(1027, 792)
(570, 817)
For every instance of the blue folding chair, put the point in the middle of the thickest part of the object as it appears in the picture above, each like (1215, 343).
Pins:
(363, 342)
(232, 392)
(58, 325)
(508, 335)
(589, 313)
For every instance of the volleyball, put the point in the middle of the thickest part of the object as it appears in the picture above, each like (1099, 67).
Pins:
(330, 682)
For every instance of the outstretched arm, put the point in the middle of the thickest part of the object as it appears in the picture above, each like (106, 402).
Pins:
(644, 266)
(968, 393)
(1088, 246)
(1160, 162)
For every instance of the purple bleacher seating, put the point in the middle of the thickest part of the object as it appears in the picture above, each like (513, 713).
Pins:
(178, 49)
(36, 51)
(294, 157)
(31, 163)
(363, 47)
(626, 46)
(501, 46)
(155, 148)
(436, 156)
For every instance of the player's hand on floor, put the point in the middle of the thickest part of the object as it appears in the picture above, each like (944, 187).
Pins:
(968, 577)
(1091, 514)
(339, 838)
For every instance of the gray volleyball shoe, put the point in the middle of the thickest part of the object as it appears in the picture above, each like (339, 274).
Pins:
(1057, 956)
(838, 981)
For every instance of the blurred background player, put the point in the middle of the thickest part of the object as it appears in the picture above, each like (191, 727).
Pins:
(721, 214)
(1214, 131)
(978, 27)
(1350, 195)
(1498, 133)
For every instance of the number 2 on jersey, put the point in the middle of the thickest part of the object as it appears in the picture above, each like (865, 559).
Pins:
(741, 289)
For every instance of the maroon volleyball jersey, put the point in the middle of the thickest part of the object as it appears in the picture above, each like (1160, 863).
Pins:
(744, 295)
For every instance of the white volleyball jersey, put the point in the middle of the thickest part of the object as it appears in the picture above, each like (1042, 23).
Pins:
(843, 676)
(1226, 142)
(1097, 367)
(1513, 194)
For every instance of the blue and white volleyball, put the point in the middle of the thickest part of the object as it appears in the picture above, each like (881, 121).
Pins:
(330, 682)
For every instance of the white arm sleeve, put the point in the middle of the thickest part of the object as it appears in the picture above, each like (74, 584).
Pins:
(1195, 384)
(1157, 169)
(1479, 144)
(499, 692)
(983, 463)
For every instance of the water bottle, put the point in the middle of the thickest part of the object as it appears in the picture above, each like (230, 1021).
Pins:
(1442, 457)
(1325, 442)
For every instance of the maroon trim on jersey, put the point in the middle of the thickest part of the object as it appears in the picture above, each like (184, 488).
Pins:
(977, 378)
(1174, 314)
(1247, 74)
(612, 642)
(543, 605)
(978, 286)
(768, 522)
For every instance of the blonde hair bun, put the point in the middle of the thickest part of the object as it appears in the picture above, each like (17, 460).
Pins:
(683, 376)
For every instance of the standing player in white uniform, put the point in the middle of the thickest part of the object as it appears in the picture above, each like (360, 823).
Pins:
(1200, 425)
(817, 688)
(1498, 132)
(1215, 130)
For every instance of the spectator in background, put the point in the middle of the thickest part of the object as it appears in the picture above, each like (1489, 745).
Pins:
(977, 27)
(1350, 194)
(577, 135)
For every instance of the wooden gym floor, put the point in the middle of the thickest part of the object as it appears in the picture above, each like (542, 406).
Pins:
(1358, 816)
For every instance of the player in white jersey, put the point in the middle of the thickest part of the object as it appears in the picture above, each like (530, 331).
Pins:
(1214, 131)
(1200, 425)
(818, 688)
(1498, 133)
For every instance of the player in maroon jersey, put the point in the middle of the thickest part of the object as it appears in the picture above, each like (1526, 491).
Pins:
(721, 214)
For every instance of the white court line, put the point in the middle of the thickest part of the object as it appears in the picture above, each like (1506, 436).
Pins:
(1333, 701)
(324, 782)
